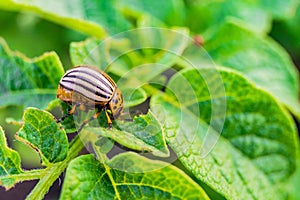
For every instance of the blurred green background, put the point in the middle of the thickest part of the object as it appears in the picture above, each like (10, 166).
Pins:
(31, 35)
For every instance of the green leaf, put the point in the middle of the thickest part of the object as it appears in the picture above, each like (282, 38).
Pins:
(259, 58)
(206, 14)
(10, 163)
(170, 12)
(143, 134)
(28, 82)
(133, 97)
(255, 15)
(256, 152)
(87, 178)
(94, 17)
(42, 133)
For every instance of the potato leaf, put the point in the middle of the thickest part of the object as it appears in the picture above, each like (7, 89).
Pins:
(87, 178)
(133, 97)
(143, 134)
(10, 163)
(41, 132)
(95, 17)
(259, 58)
(28, 82)
(256, 152)
(256, 15)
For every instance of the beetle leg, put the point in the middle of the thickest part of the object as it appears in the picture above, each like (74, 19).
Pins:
(108, 118)
(95, 116)
(73, 109)
(70, 112)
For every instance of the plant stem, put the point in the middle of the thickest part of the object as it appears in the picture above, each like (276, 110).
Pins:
(52, 172)
(27, 175)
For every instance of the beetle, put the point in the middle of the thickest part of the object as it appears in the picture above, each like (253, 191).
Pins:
(87, 88)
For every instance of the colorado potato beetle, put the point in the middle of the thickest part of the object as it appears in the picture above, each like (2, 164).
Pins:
(87, 88)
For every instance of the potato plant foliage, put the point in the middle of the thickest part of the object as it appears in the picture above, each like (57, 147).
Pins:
(214, 119)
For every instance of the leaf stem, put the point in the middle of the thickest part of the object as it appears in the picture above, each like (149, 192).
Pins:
(52, 172)
(26, 175)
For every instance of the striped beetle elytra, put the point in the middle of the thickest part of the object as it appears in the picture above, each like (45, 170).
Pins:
(87, 88)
